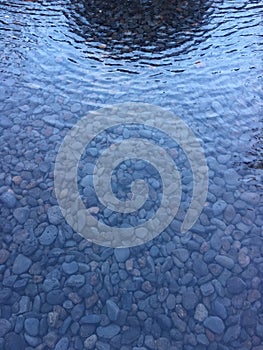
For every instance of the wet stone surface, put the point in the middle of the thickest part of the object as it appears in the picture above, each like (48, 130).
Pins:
(181, 291)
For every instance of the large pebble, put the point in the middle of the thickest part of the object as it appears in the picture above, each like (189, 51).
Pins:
(62, 344)
(14, 342)
(32, 326)
(122, 254)
(189, 300)
(214, 324)
(49, 235)
(21, 215)
(235, 285)
(54, 215)
(5, 326)
(108, 332)
(90, 342)
(21, 264)
(201, 312)
(112, 310)
(8, 199)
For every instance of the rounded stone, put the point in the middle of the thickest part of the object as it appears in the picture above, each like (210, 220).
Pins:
(62, 344)
(21, 264)
(90, 342)
(121, 254)
(54, 215)
(5, 326)
(32, 326)
(21, 215)
(49, 235)
(201, 313)
(235, 285)
(8, 199)
(189, 300)
(108, 332)
(14, 342)
(214, 324)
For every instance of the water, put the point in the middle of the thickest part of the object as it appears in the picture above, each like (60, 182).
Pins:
(202, 60)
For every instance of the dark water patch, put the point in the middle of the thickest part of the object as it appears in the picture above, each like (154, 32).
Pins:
(134, 30)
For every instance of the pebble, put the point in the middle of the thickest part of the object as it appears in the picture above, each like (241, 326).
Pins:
(201, 312)
(90, 342)
(49, 235)
(70, 268)
(4, 255)
(189, 300)
(21, 215)
(112, 310)
(75, 281)
(121, 254)
(214, 324)
(8, 199)
(235, 285)
(32, 326)
(5, 122)
(21, 264)
(108, 332)
(14, 341)
(62, 344)
(5, 326)
(218, 207)
(225, 261)
(54, 214)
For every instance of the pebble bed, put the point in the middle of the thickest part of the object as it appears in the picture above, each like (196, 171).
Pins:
(201, 290)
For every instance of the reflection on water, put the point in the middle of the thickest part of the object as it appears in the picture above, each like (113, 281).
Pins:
(130, 28)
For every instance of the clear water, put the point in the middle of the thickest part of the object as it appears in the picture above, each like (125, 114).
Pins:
(62, 59)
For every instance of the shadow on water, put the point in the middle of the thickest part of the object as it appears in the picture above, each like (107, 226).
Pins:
(136, 29)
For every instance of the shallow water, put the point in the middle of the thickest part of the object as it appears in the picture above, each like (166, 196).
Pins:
(202, 60)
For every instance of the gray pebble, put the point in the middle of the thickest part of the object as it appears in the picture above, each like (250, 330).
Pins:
(76, 281)
(70, 268)
(21, 214)
(21, 264)
(49, 235)
(112, 310)
(54, 215)
(214, 324)
(62, 344)
(5, 326)
(201, 312)
(8, 199)
(225, 261)
(218, 207)
(90, 342)
(121, 254)
(32, 326)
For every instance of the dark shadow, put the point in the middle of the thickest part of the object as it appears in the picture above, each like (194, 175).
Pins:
(135, 28)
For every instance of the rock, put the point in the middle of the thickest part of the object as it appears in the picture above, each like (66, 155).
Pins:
(182, 254)
(5, 326)
(5, 122)
(218, 207)
(70, 268)
(164, 322)
(178, 323)
(130, 335)
(54, 214)
(8, 199)
(49, 235)
(232, 333)
(201, 313)
(32, 326)
(235, 285)
(250, 197)
(214, 324)
(171, 301)
(55, 297)
(225, 261)
(76, 281)
(229, 213)
(21, 214)
(199, 266)
(62, 344)
(189, 300)
(248, 318)
(219, 309)
(50, 284)
(121, 254)
(92, 319)
(90, 342)
(207, 289)
(112, 310)
(231, 177)
(14, 342)
(162, 294)
(4, 255)
(108, 332)
(163, 343)
(21, 264)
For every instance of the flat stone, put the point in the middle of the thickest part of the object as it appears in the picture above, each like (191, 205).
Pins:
(21, 215)
(54, 214)
(32, 326)
(207, 289)
(182, 254)
(5, 326)
(201, 313)
(21, 264)
(49, 235)
(231, 177)
(90, 342)
(55, 297)
(225, 261)
(70, 268)
(92, 319)
(189, 300)
(130, 335)
(235, 285)
(8, 199)
(76, 281)
(62, 344)
(4, 255)
(112, 310)
(5, 122)
(218, 207)
(108, 332)
(214, 324)
(121, 254)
